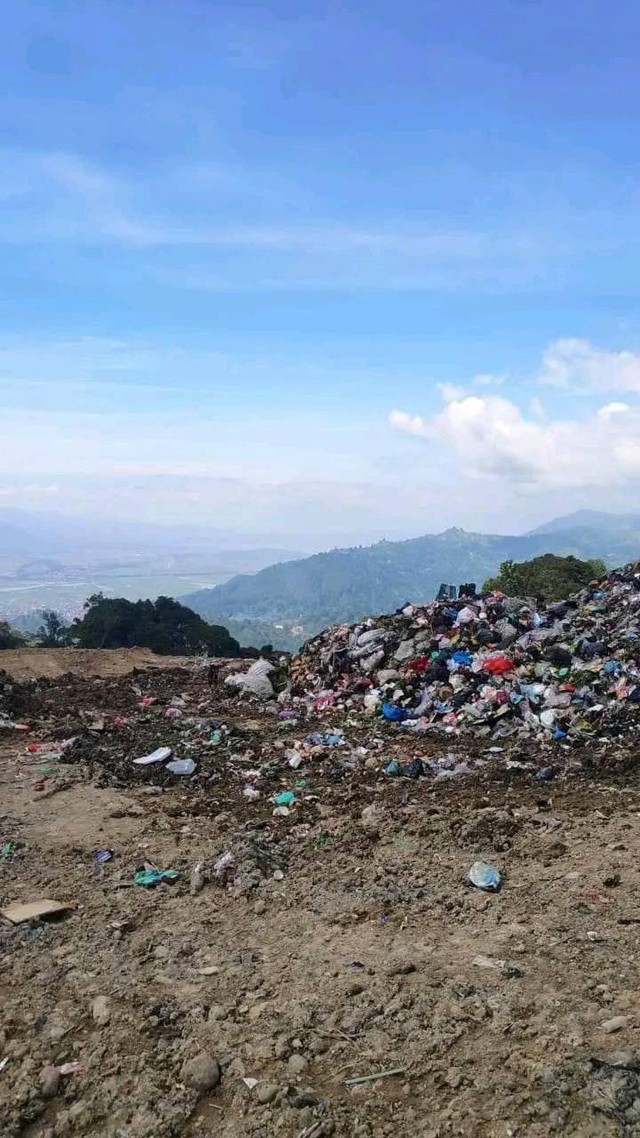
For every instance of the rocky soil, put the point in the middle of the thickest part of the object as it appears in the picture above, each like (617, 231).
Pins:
(342, 941)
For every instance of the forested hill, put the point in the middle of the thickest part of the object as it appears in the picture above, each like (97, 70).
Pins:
(345, 584)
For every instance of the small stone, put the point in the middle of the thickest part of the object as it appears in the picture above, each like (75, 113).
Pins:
(297, 1065)
(266, 1093)
(282, 1048)
(101, 1011)
(216, 1012)
(400, 968)
(79, 1113)
(259, 908)
(49, 1081)
(370, 821)
(614, 1024)
(303, 1098)
(202, 1072)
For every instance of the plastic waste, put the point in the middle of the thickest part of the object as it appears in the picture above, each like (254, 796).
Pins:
(284, 798)
(497, 665)
(414, 769)
(255, 681)
(545, 774)
(225, 863)
(325, 739)
(150, 876)
(485, 876)
(181, 766)
(393, 713)
(160, 755)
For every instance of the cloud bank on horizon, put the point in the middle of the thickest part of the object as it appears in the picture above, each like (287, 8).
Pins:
(347, 273)
(493, 436)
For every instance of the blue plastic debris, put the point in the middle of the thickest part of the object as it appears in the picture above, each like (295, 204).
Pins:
(151, 876)
(326, 739)
(284, 798)
(545, 774)
(485, 876)
(414, 769)
(393, 713)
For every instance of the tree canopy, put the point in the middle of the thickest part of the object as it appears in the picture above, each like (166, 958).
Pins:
(550, 578)
(164, 625)
(9, 638)
(53, 631)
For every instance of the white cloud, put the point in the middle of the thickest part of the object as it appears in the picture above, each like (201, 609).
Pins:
(491, 437)
(611, 409)
(486, 379)
(577, 365)
(451, 391)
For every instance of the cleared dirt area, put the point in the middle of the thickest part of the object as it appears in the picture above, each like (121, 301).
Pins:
(337, 945)
(33, 663)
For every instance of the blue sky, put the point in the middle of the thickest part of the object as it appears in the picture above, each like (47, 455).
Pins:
(323, 269)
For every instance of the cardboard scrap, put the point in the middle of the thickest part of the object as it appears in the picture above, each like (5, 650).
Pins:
(19, 913)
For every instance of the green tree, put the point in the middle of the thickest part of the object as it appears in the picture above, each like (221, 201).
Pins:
(9, 638)
(53, 631)
(164, 625)
(549, 577)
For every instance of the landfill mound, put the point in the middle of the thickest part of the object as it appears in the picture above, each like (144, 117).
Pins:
(490, 666)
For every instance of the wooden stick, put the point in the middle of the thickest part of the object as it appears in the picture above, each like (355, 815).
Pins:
(312, 1131)
(371, 1078)
(335, 1035)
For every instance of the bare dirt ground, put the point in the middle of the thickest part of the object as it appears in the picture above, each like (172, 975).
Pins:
(32, 663)
(335, 949)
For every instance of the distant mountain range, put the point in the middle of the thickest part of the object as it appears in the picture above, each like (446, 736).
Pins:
(52, 560)
(302, 596)
(45, 534)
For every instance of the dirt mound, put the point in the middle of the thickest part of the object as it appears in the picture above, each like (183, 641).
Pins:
(34, 663)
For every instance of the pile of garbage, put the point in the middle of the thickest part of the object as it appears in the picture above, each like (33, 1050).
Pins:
(491, 665)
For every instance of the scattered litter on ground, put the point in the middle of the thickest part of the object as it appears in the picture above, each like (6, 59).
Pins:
(312, 937)
(19, 912)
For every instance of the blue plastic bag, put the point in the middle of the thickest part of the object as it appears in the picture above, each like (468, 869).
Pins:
(393, 713)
